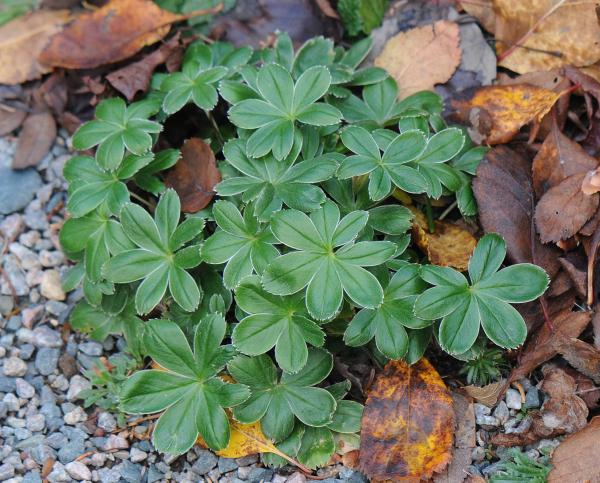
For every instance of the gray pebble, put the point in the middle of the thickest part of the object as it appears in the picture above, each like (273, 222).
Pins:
(227, 464)
(24, 389)
(26, 351)
(91, 348)
(44, 336)
(7, 384)
(57, 440)
(14, 367)
(41, 453)
(154, 474)
(76, 385)
(46, 360)
(37, 422)
(532, 398)
(130, 471)
(260, 474)
(78, 471)
(17, 188)
(501, 412)
(70, 451)
(513, 399)
(107, 422)
(6, 471)
(32, 477)
(206, 461)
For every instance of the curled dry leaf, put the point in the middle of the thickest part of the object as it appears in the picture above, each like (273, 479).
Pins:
(542, 346)
(10, 120)
(35, 140)
(558, 158)
(486, 395)
(591, 182)
(564, 210)
(135, 77)
(195, 175)
(448, 246)
(502, 110)
(576, 458)
(581, 355)
(504, 193)
(408, 422)
(438, 56)
(110, 34)
(21, 42)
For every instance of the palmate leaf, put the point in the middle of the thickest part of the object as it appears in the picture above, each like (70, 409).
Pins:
(485, 301)
(188, 390)
(325, 260)
(159, 259)
(270, 183)
(388, 322)
(115, 129)
(282, 104)
(242, 243)
(276, 401)
(274, 321)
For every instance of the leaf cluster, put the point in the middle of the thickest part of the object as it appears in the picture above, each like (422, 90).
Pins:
(304, 249)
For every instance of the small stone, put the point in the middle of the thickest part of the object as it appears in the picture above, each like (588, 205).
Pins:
(107, 422)
(32, 477)
(12, 402)
(513, 399)
(98, 459)
(51, 286)
(46, 360)
(75, 416)
(130, 472)
(116, 442)
(41, 453)
(51, 258)
(501, 412)
(296, 478)
(154, 474)
(6, 304)
(57, 440)
(109, 475)
(6, 471)
(37, 422)
(247, 460)
(227, 464)
(16, 275)
(14, 367)
(77, 384)
(71, 451)
(78, 471)
(206, 461)
(136, 455)
(7, 384)
(12, 226)
(59, 473)
(481, 410)
(44, 336)
(532, 398)
(17, 188)
(24, 389)
(478, 454)
(523, 426)
(243, 472)
(67, 364)
(260, 474)
(91, 348)
(26, 351)
(54, 307)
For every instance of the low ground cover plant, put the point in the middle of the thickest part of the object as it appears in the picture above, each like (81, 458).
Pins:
(243, 305)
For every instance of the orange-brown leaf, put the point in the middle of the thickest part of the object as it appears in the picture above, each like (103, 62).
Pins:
(438, 56)
(576, 458)
(21, 42)
(448, 246)
(498, 112)
(195, 175)
(109, 34)
(408, 423)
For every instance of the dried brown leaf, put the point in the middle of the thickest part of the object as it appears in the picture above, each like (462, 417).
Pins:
(576, 458)
(35, 140)
(544, 34)
(195, 175)
(408, 422)
(542, 346)
(448, 246)
(109, 34)
(504, 194)
(558, 158)
(10, 120)
(135, 77)
(486, 395)
(581, 355)
(439, 56)
(564, 209)
(21, 42)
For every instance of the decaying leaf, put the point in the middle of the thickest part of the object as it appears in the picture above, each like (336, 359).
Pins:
(10, 120)
(591, 182)
(408, 422)
(576, 458)
(21, 42)
(486, 395)
(464, 441)
(109, 34)
(542, 345)
(448, 246)
(558, 158)
(35, 140)
(135, 77)
(581, 355)
(505, 199)
(563, 411)
(543, 34)
(564, 209)
(498, 112)
(438, 56)
(195, 175)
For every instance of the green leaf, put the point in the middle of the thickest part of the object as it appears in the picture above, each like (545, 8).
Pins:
(519, 283)
(187, 389)
(317, 447)
(310, 87)
(487, 257)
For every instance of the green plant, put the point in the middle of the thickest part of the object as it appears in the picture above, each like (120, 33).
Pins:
(522, 468)
(482, 364)
(304, 245)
